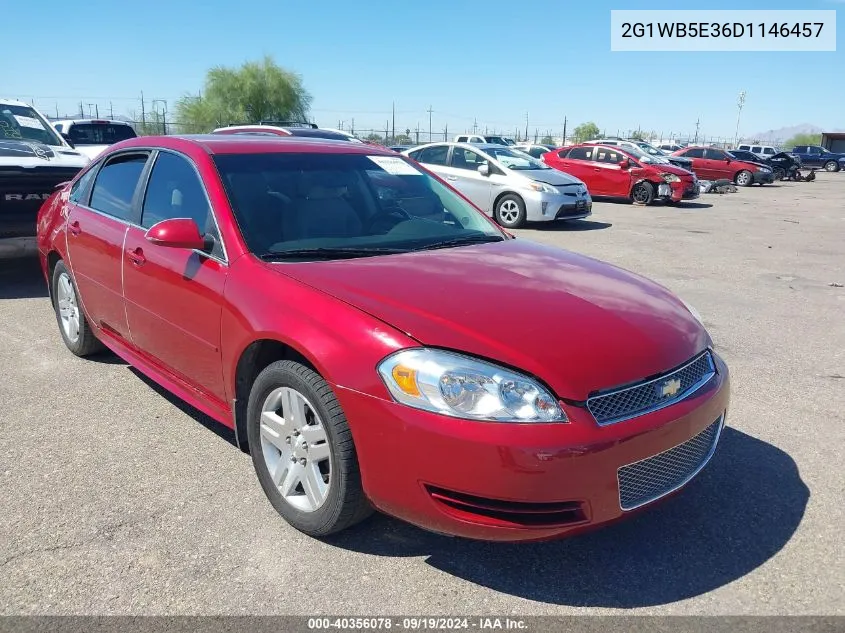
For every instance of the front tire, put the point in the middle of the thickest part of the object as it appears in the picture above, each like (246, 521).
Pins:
(510, 211)
(643, 193)
(744, 178)
(73, 326)
(831, 165)
(779, 173)
(303, 452)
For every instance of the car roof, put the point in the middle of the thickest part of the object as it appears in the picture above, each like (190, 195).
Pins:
(88, 120)
(15, 102)
(243, 144)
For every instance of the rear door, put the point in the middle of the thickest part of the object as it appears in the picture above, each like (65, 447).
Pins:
(462, 173)
(96, 231)
(576, 162)
(174, 295)
(699, 164)
(718, 163)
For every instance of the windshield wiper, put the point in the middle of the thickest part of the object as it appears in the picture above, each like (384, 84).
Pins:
(330, 253)
(461, 241)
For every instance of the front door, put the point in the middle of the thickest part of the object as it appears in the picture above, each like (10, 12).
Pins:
(173, 295)
(718, 164)
(98, 220)
(611, 179)
(463, 174)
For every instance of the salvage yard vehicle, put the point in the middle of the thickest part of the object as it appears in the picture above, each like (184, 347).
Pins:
(506, 184)
(817, 156)
(483, 140)
(712, 163)
(761, 152)
(624, 172)
(33, 160)
(657, 155)
(784, 166)
(535, 150)
(92, 136)
(375, 341)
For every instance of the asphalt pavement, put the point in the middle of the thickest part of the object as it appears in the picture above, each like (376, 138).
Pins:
(117, 498)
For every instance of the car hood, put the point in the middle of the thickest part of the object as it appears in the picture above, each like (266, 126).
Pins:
(669, 168)
(549, 176)
(574, 322)
(29, 154)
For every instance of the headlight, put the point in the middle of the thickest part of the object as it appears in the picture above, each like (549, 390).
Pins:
(765, 170)
(693, 312)
(459, 386)
(670, 178)
(541, 186)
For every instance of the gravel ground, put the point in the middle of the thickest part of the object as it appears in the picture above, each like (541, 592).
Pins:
(118, 499)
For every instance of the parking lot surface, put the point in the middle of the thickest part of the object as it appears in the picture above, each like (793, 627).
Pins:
(119, 499)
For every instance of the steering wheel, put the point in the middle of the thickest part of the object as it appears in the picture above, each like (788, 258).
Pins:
(388, 215)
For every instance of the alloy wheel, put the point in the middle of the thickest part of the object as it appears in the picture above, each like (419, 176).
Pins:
(509, 212)
(68, 307)
(743, 178)
(295, 448)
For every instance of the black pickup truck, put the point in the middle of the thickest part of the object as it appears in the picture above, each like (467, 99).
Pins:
(33, 160)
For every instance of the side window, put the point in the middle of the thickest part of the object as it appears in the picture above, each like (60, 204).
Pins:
(607, 156)
(58, 127)
(745, 147)
(79, 190)
(756, 149)
(175, 191)
(580, 153)
(435, 155)
(695, 152)
(537, 152)
(769, 151)
(815, 150)
(716, 154)
(115, 185)
(801, 149)
(462, 139)
(466, 159)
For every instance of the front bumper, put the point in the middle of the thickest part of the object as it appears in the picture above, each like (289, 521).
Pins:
(513, 482)
(764, 178)
(544, 207)
(677, 191)
(11, 247)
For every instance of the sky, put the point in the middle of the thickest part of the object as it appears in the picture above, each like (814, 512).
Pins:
(492, 62)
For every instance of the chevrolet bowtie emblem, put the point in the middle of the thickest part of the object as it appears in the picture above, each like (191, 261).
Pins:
(669, 388)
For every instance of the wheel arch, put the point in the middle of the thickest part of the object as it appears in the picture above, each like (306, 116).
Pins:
(253, 359)
(502, 195)
(53, 258)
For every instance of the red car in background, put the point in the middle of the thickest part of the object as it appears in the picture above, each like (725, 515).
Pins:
(375, 341)
(623, 172)
(712, 163)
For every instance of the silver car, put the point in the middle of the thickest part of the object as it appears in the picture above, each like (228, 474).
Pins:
(505, 183)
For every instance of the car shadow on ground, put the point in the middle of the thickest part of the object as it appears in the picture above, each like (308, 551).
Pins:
(570, 225)
(741, 511)
(21, 278)
(683, 206)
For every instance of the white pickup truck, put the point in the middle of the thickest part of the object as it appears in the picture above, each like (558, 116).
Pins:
(34, 158)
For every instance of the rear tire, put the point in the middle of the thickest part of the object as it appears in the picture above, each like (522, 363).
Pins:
(77, 334)
(303, 452)
(831, 165)
(510, 211)
(643, 193)
(744, 178)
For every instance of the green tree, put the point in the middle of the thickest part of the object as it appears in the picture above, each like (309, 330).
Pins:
(802, 139)
(585, 132)
(257, 91)
(402, 139)
(547, 140)
(374, 138)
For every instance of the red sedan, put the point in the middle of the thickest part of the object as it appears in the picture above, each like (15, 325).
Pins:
(624, 172)
(713, 163)
(375, 341)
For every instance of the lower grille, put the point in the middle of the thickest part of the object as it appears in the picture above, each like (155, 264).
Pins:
(654, 477)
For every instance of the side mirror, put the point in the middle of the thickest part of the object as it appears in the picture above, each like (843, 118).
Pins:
(624, 163)
(67, 140)
(178, 233)
(484, 169)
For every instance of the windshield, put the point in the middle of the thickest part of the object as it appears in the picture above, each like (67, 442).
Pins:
(497, 140)
(299, 206)
(99, 133)
(650, 149)
(514, 159)
(639, 154)
(25, 124)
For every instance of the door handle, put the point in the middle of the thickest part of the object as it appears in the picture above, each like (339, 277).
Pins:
(74, 228)
(137, 256)
(451, 177)
(596, 168)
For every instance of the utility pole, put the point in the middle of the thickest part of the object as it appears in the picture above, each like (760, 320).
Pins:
(57, 109)
(352, 130)
(418, 133)
(143, 115)
(474, 125)
(739, 103)
(393, 129)
(526, 126)
(96, 110)
(446, 133)
(90, 110)
(111, 111)
(697, 122)
(429, 123)
(563, 140)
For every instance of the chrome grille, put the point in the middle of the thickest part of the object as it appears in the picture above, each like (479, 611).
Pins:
(655, 477)
(621, 404)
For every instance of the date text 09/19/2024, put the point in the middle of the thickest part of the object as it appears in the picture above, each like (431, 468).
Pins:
(418, 623)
